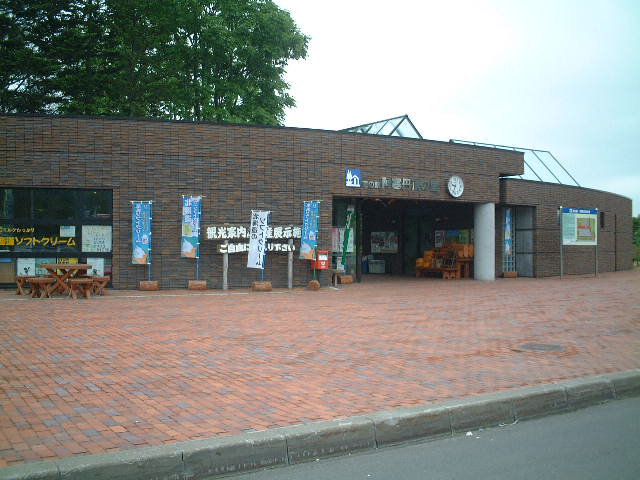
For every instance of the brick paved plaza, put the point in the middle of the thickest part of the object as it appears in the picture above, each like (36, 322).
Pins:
(132, 370)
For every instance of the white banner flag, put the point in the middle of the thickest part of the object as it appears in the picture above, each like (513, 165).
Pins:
(258, 239)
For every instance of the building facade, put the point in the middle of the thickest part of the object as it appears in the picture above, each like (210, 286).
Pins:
(67, 183)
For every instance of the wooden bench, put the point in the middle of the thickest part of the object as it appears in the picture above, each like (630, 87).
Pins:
(99, 284)
(41, 286)
(82, 285)
(22, 284)
(335, 276)
(446, 272)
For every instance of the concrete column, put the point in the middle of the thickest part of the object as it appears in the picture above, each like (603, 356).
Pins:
(484, 229)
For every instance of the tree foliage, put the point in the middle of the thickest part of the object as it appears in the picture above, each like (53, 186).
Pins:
(181, 59)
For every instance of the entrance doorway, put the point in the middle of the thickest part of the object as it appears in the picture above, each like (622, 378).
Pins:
(390, 234)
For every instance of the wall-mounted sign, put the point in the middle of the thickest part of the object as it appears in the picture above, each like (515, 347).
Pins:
(354, 178)
(579, 226)
(244, 247)
(237, 232)
(233, 231)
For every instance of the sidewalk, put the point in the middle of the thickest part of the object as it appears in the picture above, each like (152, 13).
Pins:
(133, 370)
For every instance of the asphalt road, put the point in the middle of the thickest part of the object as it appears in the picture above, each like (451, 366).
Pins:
(600, 442)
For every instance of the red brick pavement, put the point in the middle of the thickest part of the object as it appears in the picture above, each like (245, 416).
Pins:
(119, 372)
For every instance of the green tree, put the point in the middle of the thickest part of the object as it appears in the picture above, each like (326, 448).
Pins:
(220, 60)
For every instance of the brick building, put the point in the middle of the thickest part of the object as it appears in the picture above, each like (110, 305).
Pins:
(66, 184)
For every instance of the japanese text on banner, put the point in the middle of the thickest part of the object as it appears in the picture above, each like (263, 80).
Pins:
(258, 239)
(309, 240)
(191, 213)
(141, 232)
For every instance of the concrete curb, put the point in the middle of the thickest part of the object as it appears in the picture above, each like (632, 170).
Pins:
(289, 445)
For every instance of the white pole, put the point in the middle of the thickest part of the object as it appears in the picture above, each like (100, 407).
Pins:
(290, 265)
(225, 267)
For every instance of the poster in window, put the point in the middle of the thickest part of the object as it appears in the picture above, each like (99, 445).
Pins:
(96, 238)
(67, 230)
(26, 267)
(97, 266)
(337, 240)
(384, 242)
(40, 270)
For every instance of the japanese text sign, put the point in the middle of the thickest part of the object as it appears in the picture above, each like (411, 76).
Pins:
(141, 229)
(309, 241)
(258, 239)
(191, 213)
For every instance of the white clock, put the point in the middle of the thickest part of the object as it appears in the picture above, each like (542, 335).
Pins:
(455, 186)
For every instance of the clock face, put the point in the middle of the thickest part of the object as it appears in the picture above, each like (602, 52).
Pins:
(455, 186)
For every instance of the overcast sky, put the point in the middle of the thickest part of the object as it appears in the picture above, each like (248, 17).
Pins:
(557, 75)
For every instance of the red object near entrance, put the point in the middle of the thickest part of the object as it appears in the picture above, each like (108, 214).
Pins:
(322, 260)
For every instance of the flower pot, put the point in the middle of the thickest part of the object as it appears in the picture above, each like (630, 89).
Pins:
(261, 286)
(149, 285)
(197, 285)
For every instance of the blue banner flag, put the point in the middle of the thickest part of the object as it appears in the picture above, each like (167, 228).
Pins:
(141, 227)
(309, 240)
(191, 213)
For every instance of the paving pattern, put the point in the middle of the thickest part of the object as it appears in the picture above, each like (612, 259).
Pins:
(133, 370)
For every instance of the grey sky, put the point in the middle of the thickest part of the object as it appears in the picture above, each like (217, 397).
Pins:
(555, 75)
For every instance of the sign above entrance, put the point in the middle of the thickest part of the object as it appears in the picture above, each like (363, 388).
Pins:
(354, 178)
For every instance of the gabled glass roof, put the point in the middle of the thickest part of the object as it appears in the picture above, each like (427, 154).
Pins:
(539, 165)
(395, 127)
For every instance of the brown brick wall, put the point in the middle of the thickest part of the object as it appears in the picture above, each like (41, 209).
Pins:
(239, 168)
(615, 246)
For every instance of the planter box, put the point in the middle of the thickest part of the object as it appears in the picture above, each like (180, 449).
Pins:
(149, 285)
(510, 274)
(197, 285)
(345, 279)
(261, 286)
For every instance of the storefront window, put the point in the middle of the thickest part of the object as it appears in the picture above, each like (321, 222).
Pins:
(53, 226)
(40, 238)
(96, 203)
(53, 203)
(15, 203)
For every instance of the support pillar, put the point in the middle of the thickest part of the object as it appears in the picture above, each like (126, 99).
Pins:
(484, 229)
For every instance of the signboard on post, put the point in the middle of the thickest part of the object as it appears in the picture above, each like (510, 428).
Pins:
(191, 213)
(579, 226)
(258, 239)
(309, 240)
(141, 229)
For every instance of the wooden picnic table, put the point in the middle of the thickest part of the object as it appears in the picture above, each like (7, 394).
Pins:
(69, 270)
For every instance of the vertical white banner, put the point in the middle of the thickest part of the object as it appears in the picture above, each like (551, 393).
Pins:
(258, 239)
